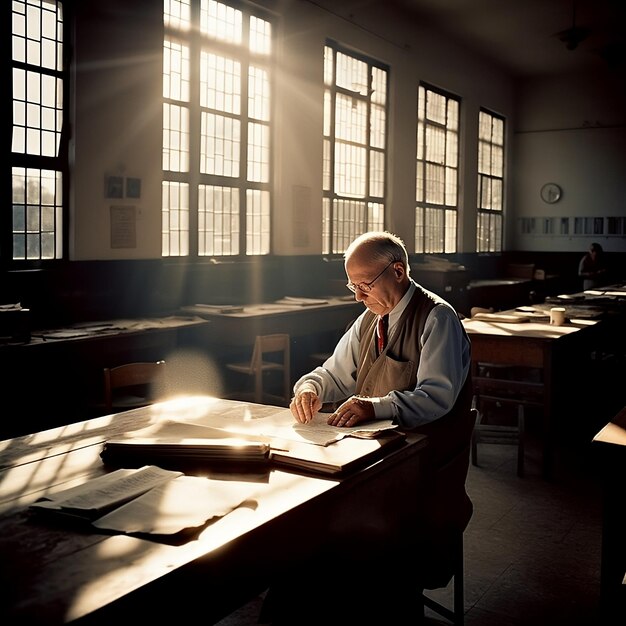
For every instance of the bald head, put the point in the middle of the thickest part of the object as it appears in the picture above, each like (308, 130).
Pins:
(378, 247)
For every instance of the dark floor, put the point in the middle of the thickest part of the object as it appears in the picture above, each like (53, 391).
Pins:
(532, 547)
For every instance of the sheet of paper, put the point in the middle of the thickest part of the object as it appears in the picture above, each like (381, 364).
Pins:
(106, 491)
(182, 503)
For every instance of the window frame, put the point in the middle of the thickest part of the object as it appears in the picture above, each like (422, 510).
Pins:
(200, 44)
(492, 216)
(58, 163)
(373, 207)
(448, 211)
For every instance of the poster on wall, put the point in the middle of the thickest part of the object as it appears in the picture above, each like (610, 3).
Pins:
(123, 227)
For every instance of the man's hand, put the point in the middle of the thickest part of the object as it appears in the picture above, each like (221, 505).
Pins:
(353, 411)
(304, 406)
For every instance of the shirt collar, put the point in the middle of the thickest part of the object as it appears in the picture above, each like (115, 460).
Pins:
(397, 311)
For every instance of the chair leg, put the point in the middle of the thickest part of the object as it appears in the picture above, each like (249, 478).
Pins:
(474, 450)
(520, 445)
(258, 386)
(457, 614)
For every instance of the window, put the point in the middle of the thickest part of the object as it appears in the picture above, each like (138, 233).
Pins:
(437, 175)
(355, 147)
(39, 144)
(217, 84)
(490, 182)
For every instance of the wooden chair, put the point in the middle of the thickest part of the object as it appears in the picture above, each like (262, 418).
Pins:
(133, 385)
(500, 421)
(271, 354)
(502, 393)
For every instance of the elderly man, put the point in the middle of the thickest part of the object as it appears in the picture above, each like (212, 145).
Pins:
(406, 357)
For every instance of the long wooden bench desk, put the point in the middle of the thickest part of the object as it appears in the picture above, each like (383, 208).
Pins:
(55, 573)
(239, 327)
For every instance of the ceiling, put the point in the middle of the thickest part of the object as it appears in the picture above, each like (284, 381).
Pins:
(524, 35)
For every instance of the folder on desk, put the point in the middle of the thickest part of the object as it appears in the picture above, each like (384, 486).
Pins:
(337, 459)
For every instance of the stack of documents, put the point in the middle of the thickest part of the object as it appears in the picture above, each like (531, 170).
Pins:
(293, 301)
(174, 452)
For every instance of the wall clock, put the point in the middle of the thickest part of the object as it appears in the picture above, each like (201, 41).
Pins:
(550, 193)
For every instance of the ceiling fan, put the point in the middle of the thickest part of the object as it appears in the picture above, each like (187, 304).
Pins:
(573, 35)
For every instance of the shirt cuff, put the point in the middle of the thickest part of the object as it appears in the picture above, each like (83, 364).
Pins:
(308, 386)
(383, 408)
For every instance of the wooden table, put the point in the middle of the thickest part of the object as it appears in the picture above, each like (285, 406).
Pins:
(52, 574)
(57, 377)
(611, 446)
(555, 350)
(240, 328)
(312, 328)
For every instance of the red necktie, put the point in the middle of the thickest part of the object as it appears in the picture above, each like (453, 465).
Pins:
(382, 332)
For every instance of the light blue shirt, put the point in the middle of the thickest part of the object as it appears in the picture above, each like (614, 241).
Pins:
(443, 367)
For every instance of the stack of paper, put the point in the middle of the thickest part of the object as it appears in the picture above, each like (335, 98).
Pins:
(201, 309)
(293, 301)
(176, 452)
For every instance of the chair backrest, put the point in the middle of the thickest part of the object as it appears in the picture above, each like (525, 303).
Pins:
(133, 384)
(265, 345)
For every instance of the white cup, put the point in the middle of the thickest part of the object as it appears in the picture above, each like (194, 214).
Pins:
(557, 316)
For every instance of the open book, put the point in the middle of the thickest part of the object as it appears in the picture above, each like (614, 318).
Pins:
(148, 500)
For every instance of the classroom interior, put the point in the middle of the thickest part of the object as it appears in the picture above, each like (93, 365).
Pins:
(564, 112)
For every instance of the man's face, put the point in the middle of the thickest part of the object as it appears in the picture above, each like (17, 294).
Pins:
(386, 290)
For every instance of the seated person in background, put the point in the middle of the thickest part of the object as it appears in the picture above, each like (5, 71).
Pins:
(421, 379)
(593, 268)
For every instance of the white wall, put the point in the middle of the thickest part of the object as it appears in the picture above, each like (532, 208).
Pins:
(570, 131)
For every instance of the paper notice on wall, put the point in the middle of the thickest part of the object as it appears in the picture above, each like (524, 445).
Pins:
(123, 227)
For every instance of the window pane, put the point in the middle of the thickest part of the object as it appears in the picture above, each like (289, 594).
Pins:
(220, 143)
(220, 21)
(175, 219)
(218, 221)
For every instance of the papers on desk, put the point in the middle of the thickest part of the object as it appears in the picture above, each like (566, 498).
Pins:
(102, 494)
(279, 425)
(292, 301)
(276, 438)
(148, 500)
(342, 457)
(180, 453)
(507, 318)
(203, 309)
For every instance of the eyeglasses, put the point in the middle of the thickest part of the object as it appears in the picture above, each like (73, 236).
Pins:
(367, 287)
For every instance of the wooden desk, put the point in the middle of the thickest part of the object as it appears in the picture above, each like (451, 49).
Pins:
(556, 350)
(55, 574)
(312, 328)
(57, 378)
(611, 445)
(240, 328)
